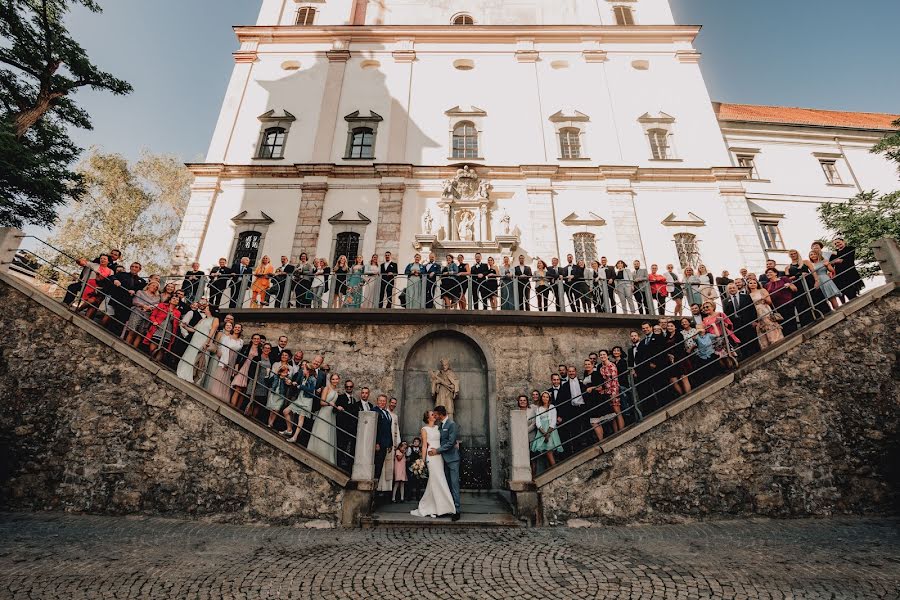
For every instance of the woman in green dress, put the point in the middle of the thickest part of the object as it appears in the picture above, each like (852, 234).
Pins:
(355, 283)
(546, 437)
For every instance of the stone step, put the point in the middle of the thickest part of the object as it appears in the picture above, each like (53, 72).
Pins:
(478, 510)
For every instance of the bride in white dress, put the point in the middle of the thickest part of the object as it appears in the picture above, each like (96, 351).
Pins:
(200, 342)
(437, 499)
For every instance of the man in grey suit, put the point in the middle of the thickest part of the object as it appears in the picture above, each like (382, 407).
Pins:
(449, 449)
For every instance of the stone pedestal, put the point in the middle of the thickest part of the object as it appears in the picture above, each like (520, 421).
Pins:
(518, 444)
(364, 459)
(887, 253)
(10, 239)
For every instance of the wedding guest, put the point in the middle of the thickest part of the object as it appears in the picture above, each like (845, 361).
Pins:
(413, 454)
(625, 287)
(610, 391)
(507, 301)
(641, 287)
(400, 472)
(565, 273)
(523, 404)
(431, 271)
(801, 276)
(371, 284)
(319, 285)
(261, 284)
(386, 481)
(415, 285)
(142, 305)
(219, 277)
(450, 283)
(245, 360)
(679, 366)
(704, 359)
(541, 287)
(283, 275)
(781, 292)
(658, 289)
(763, 278)
(673, 288)
(276, 382)
(707, 284)
(346, 419)
(161, 331)
(340, 274)
(388, 271)
(303, 277)
(323, 439)
(692, 287)
(228, 344)
(522, 273)
(553, 278)
(383, 435)
(739, 309)
(626, 398)
(722, 329)
(546, 440)
(240, 274)
(767, 328)
(479, 278)
(491, 285)
(93, 295)
(196, 355)
(463, 275)
(696, 315)
(192, 280)
(259, 371)
(304, 381)
(580, 289)
(824, 274)
(121, 289)
(846, 278)
(722, 282)
(820, 248)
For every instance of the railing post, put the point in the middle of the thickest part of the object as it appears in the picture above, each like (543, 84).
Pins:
(814, 312)
(10, 238)
(242, 290)
(364, 457)
(604, 289)
(286, 292)
(560, 293)
(470, 293)
(649, 300)
(200, 290)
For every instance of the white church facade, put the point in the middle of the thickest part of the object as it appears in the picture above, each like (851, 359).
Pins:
(508, 127)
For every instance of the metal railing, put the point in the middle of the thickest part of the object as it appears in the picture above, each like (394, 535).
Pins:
(808, 306)
(262, 383)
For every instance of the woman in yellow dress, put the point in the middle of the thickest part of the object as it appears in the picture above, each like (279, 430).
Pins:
(261, 284)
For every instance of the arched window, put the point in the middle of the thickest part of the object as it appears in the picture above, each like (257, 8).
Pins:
(272, 145)
(362, 143)
(346, 244)
(624, 15)
(463, 19)
(688, 250)
(306, 15)
(247, 245)
(465, 140)
(659, 144)
(585, 247)
(570, 142)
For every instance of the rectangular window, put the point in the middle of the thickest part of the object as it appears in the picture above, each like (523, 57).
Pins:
(624, 15)
(771, 235)
(829, 167)
(748, 161)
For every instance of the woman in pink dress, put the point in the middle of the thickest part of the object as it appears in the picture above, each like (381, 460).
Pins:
(92, 296)
(400, 472)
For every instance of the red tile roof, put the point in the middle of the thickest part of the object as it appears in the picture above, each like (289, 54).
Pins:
(803, 116)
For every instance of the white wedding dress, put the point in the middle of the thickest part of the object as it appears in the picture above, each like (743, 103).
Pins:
(437, 499)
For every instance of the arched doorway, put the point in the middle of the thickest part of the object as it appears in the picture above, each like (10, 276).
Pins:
(473, 411)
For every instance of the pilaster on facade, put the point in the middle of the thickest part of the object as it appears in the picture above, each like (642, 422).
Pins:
(309, 218)
(195, 223)
(387, 234)
(625, 221)
(743, 228)
(543, 239)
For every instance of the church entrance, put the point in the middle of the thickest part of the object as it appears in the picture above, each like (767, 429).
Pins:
(471, 408)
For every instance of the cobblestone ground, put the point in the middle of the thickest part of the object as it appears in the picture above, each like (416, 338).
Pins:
(63, 556)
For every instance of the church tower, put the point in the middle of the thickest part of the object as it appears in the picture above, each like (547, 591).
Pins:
(506, 127)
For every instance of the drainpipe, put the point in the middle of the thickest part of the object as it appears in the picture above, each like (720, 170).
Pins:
(849, 166)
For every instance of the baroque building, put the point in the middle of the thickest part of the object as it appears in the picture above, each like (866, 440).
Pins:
(530, 127)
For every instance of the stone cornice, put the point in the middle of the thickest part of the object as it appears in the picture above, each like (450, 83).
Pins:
(498, 173)
(483, 33)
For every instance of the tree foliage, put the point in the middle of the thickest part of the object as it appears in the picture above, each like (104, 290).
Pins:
(870, 215)
(136, 208)
(41, 66)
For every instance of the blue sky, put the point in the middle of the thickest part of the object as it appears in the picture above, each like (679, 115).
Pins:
(177, 54)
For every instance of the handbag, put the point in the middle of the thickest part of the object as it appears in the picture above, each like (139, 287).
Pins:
(200, 366)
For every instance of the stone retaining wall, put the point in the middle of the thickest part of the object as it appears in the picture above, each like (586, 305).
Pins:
(812, 433)
(83, 428)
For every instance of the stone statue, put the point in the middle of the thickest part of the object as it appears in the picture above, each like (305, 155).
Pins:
(428, 222)
(445, 386)
(504, 221)
(466, 227)
(449, 186)
(484, 189)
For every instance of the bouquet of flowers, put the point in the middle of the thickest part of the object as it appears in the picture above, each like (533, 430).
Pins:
(419, 469)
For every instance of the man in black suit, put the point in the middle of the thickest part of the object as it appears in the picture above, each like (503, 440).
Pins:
(479, 272)
(574, 412)
(321, 379)
(432, 270)
(348, 409)
(522, 273)
(553, 282)
(191, 283)
(240, 273)
(124, 286)
(568, 278)
(648, 357)
(388, 271)
(219, 277)
(384, 439)
(740, 309)
(281, 282)
(763, 278)
(609, 273)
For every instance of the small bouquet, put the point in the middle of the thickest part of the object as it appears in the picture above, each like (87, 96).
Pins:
(419, 469)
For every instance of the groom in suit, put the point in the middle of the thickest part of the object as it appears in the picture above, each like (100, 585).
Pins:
(450, 450)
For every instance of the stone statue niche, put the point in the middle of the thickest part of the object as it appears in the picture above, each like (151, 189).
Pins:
(445, 386)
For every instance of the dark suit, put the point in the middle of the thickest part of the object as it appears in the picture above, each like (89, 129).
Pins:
(648, 357)
(121, 299)
(384, 439)
(523, 284)
(553, 282)
(191, 284)
(345, 420)
(220, 277)
(450, 451)
(239, 274)
(739, 308)
(479, 292)
(565, 272)
(281, 281)
(386, 295)
(432, 272)
(609, 273)
(580, 290)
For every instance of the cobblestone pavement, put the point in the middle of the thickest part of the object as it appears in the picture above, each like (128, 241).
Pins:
(63, 556)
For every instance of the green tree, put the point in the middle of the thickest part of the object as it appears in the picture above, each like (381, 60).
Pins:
(41, 66)
(136, 208)
(868, 216)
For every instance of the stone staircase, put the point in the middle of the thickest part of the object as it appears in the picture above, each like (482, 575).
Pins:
(480, 509)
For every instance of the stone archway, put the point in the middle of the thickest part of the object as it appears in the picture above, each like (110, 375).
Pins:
(474, 409)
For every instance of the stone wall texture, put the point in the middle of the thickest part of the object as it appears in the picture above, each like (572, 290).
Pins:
(84, 428)
(812, 433)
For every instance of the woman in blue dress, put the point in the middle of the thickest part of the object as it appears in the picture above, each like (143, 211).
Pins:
(355, 283)
(824, 274)
(546, 437)
(415, 286)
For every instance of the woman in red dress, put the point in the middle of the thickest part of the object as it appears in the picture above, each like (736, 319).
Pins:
(164, 321)
(91, 297)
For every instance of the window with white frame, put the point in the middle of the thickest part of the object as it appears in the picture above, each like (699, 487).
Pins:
(659, 143)
(659, 129)
(346, 244)
(771, 234)
(829, 168)
(361, 135)
(273, 135)
(465, 140)
(463, 19)
(624, 15)
(748, 161)
(585, 247)
(570, 142)
(306, 15)
(688, 250)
